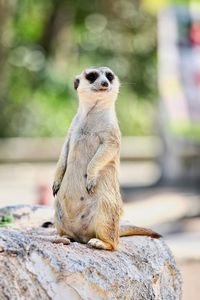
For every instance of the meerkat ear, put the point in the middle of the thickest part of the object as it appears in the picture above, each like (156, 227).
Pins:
(76, 82)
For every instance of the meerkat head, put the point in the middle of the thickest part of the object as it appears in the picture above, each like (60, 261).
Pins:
(97, 84)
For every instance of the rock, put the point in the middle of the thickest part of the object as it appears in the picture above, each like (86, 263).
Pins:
(34, 268)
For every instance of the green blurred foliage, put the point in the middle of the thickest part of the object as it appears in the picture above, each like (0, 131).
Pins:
(185, 130)
(6, 220)
(44, 44)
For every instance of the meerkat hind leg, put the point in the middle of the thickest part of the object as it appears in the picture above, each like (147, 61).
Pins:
(99, 244)
(107, 232)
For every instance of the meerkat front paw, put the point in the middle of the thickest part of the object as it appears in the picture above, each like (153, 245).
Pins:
(55, 188)
(91, 184)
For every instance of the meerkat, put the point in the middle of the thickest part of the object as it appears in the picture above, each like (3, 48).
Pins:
(88, 204)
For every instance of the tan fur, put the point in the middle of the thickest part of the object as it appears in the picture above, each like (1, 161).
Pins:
(88, 204)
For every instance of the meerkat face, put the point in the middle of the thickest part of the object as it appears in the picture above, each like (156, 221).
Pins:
(97, 82)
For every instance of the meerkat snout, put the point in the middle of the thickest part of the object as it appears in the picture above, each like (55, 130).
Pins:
(104, 83)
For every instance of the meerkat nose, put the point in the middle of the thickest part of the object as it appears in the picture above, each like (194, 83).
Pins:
(104, 83)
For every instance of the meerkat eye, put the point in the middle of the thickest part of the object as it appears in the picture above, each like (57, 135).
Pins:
(92, 76)
(109, 76)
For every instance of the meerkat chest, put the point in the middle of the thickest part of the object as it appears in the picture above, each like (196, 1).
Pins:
(88, 131)
(84, 142)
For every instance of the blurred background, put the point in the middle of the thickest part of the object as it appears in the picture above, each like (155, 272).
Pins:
(154, 47)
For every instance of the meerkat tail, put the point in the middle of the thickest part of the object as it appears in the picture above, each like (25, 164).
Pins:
(127, 230)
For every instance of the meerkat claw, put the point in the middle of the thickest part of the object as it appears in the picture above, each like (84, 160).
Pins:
(55, 188)
(90, 186)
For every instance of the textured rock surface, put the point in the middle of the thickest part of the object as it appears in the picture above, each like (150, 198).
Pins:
(33, 268)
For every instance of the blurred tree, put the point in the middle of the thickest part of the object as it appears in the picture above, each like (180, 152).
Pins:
(43, 44)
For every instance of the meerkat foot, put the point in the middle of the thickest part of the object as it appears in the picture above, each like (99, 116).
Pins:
(98, 244)
(61, 240)
(55, 239)
(55, 188)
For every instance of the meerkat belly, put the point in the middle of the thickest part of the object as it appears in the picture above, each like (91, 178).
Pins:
(81, 152)
(80, 208)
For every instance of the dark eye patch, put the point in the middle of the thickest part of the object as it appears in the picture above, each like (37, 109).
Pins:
(92, 76)
(109, 76)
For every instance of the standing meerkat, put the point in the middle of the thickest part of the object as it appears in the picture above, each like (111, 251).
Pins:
(88, 203)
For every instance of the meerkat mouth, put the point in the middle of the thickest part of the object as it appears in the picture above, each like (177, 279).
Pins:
(102, 89)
